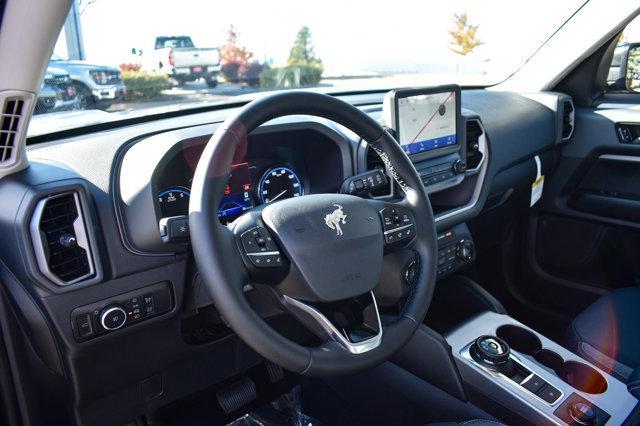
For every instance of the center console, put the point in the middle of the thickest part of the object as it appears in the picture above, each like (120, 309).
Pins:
(535, 378)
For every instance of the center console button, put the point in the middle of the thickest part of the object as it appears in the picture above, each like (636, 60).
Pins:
(534, 384)
(549, 393)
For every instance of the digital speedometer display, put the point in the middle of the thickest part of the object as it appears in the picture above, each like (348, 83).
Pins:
(237, 195)
(279, 183)
(174, 201)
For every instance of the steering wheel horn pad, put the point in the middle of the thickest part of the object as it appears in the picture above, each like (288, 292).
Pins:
(334, 245)
(333, 240)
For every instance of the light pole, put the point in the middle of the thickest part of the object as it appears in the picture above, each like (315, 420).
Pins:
(73, 33)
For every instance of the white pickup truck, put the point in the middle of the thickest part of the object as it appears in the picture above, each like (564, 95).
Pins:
(182, 61)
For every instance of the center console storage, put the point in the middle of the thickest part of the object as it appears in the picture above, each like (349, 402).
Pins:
(577, 374)
(506, 362)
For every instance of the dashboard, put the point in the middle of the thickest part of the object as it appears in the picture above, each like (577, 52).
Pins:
(128, 179)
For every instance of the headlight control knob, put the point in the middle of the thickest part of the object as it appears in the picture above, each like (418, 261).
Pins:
(113, 317)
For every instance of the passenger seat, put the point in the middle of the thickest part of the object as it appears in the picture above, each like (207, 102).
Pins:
(607, 333)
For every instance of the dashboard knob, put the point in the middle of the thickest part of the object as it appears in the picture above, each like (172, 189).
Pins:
(459, 166)
(465, 250)
(113, 317)
(582, 414)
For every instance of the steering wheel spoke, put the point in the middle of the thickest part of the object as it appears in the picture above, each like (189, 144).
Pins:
(353, 324)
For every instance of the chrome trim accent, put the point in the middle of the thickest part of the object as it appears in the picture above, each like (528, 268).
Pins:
(467, 354)
(482, 141)
(264, 253)
(572, 117)
(107, 312)
(40, 245)
(625, 158)
(332, 332)
(398, 229)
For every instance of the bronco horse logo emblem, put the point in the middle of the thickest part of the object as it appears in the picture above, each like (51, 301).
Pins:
(334, 219)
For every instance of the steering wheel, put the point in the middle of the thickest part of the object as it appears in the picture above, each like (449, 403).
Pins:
(321, 254)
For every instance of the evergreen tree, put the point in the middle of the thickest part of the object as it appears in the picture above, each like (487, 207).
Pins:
(302, 51)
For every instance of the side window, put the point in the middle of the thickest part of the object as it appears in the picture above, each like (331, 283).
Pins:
(624, 73)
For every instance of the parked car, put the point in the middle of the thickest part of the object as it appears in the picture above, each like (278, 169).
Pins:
(98, 86)
(181, 60)
(57, 92)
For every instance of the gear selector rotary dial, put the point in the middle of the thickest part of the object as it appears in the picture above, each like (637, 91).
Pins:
(491, 350)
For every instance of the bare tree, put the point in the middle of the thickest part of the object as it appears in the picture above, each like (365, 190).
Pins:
(83, 4)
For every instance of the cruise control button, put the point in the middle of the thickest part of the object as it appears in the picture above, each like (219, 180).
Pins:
(249, 242)
(269, 244)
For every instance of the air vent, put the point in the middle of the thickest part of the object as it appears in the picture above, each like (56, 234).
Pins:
(568, 119)
(9, 126)
(475, 143)
(375, 162)
(60, 239)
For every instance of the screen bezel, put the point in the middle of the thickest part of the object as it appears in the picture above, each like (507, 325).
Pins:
(396, 95)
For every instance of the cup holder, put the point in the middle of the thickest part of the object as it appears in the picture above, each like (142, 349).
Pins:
(549, 359)
(520, 339)
(580, 376)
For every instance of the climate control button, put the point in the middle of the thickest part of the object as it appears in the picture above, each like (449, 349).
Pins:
(113, 317)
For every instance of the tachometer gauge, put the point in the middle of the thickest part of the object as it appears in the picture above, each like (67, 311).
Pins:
(174, 201)
(279, 183)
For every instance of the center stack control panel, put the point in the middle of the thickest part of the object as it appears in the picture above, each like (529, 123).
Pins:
(441, 172)
(455, 250)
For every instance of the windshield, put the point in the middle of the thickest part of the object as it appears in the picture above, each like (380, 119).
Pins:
(130, 58)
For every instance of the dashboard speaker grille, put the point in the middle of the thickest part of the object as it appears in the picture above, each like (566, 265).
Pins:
(375, 162)
(474, 154)
(60, 239)
(9, 126)
(568, 119)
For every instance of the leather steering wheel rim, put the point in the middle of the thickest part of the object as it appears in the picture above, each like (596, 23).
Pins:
(221, 266)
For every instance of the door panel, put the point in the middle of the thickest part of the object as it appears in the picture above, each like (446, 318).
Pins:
(611, 188)
(584, 237)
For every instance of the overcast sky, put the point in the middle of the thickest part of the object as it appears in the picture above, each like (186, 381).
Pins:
(350, 36)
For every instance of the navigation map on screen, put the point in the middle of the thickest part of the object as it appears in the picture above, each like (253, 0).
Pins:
(427, 122)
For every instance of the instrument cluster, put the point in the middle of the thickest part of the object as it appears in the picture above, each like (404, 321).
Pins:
(250, 184)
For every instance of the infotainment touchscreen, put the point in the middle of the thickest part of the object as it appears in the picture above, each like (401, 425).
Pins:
(426, 119)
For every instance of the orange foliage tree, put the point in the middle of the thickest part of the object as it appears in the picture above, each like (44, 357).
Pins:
(463, 35)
